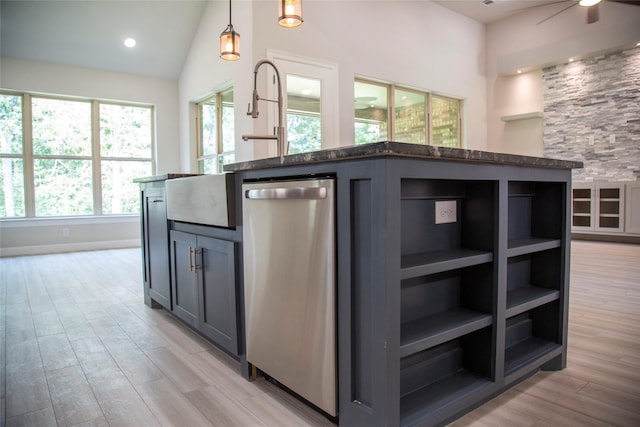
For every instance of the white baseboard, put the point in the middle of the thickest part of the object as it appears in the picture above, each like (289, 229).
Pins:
(69, 247)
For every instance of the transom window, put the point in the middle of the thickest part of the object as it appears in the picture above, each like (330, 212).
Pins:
(69, 157)
(389, 112)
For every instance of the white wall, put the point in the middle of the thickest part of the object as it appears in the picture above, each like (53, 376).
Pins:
(45, 235)
(418, 44)
(204, 73)
(518, 42)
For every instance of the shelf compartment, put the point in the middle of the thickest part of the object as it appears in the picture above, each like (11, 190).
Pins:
(443, 375)
(530, 336)
(533, 280)
(535, 211)
(437, 261)
(427, 247)
(444, 306)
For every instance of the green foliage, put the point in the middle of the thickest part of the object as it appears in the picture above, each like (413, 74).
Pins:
(304, 133)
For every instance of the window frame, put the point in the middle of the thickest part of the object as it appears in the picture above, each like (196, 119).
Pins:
(391, 113)
(218, 156)
(28, 156)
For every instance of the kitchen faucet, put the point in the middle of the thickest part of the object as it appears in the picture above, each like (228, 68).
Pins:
(253, 110)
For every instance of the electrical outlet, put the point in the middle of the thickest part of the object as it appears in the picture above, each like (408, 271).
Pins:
(592, 140)
(446, 212)
(65, 232)
(612, 139)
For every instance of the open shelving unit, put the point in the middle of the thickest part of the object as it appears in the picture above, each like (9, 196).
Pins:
(447, 282)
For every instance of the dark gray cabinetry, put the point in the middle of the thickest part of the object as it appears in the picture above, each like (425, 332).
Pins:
(204, 286)
(452, 278)
(155, 245)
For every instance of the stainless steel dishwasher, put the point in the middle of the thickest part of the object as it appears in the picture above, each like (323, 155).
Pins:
(289, 285)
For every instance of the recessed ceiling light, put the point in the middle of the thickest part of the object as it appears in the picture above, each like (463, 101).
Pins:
(570, 59)
(519, 71)
(638, 44)
(129, 42)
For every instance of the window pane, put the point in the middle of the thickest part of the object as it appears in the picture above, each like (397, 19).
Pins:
(228, 131)
(410, 117)
(304, 133)
(208, 145)
(207, 165)
(12, 188)
(10, 124)
(367, 132)
(119, 193)
(63, 187)
(61, 127)
(371, 115)
(445, 114)
(304, 120)
(125, 131)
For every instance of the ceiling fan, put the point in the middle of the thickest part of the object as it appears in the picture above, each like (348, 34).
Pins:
(593, 11)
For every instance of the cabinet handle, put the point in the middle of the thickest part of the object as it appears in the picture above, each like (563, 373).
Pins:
(190, 258)
(196, 266)
(157, 201)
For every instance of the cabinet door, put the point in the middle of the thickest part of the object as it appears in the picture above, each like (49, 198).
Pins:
(155, 234)
(610, 208)
(632, 204)
(184, 280)
(582, 207)
(218, 317)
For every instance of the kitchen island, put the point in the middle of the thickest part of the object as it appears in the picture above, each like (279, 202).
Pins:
(452, 273)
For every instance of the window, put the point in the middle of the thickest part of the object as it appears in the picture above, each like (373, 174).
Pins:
(304, 121)
(371, 112)
(409, 115)
(67, 157)
(445, 121)
(216, 144)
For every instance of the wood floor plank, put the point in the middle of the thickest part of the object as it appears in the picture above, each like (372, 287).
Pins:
(42, 418)
(170, 406)
(72, 397)
(56, 352)
(221, 410)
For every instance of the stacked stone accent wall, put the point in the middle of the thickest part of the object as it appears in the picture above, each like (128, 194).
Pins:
(585, 102)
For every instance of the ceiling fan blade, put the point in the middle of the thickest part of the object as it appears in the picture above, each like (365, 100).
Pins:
(593, 13)
(557, 13)
(631, 3)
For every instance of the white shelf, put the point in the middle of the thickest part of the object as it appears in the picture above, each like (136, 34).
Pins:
(532, 115)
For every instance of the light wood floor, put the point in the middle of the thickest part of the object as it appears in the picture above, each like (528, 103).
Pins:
(78, 347)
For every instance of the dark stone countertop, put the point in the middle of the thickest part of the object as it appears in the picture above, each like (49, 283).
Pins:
(162, 177)
(397, 149)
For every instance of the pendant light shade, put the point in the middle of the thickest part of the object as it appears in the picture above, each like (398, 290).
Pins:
(230, 42)
(290, 13)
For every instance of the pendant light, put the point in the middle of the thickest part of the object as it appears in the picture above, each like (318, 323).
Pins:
(230, 42)
(290, 13)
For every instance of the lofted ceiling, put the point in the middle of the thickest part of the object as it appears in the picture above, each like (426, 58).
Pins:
(91, 33)
(488, 11)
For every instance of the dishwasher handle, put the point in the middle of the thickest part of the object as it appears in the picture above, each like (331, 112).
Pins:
(300, 193)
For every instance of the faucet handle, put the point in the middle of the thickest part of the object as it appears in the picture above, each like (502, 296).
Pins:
(249, 109)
